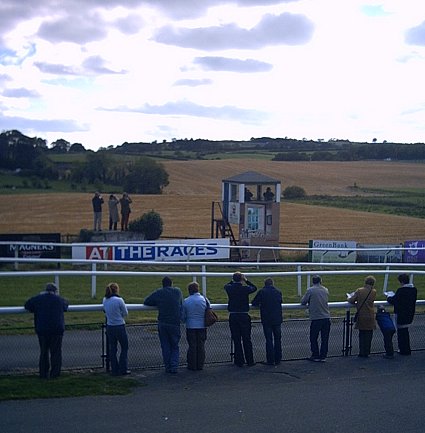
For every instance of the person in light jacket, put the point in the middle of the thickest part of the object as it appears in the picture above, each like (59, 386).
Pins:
(364, 298)
(193, 316)
(116, 311)
(316, 297)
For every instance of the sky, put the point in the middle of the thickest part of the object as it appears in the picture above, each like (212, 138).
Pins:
(105, 72)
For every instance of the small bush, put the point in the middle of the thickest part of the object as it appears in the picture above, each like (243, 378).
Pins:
(150, 224)
(293, 192)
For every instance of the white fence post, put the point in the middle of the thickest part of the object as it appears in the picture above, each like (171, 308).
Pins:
(299, 280)
(204, 281)
(93, 281)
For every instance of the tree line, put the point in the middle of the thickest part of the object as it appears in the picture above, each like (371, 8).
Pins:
(30, 157)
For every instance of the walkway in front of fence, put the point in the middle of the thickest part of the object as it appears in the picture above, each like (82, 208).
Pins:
(343, 395)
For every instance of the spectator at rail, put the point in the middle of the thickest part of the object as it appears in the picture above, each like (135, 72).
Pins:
(125, 202)
(168, 300)
(193, 316)
(404, 302)
(49, 322)
(113, 212)
(248, 195)
(269, 299)
(317, 297)
(97, 202)
(116, 312)
(268, 194)
(238, 291)
(363, 298)
(386, 324)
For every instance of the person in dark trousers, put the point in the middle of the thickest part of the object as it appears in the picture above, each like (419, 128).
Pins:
(168, 300)
(316, 298)
(404, 302)
(363, 298)
(48, 308)
(238, 291)
(386, 325)
(125, 202)
(97, 202)
(269, 299)
(194, 307)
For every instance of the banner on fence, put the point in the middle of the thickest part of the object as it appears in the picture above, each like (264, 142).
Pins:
(413, 254)
(31, 247)
(187, 249)
(332, 251)
(394, 253)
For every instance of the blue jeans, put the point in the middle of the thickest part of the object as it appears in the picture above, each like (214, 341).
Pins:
(322, 327)
(273, 335)
(118, 334)
(169, 337)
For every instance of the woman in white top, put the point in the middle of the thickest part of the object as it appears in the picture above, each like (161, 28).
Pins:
(115, 311)
(194, 307)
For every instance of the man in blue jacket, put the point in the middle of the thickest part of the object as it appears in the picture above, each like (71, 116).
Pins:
(238, 291)
(269, 299)
(48, 308)
(169, 301)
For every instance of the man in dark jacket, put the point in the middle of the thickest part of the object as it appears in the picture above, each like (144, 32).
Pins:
(404, 302)
(169, 301)
(269, 299)
(239, 319)
(48, 308)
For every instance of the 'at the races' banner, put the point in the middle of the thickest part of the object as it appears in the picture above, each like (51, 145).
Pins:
(188, 249)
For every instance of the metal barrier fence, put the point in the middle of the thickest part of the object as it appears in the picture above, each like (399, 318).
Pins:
(86, 349)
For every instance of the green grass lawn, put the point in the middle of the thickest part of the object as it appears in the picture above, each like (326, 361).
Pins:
(24, 387)
(14, 291)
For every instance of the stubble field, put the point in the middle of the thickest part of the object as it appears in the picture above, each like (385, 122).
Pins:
(185, 205)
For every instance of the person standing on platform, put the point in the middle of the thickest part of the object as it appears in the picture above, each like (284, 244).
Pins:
(125, 202)
(97, 202)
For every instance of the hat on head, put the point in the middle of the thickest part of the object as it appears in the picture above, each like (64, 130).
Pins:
(50, 287)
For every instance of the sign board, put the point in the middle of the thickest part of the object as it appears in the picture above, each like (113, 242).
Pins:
(31, 248)
(382, 254)
(187, 249)
(326, 251)
(413, 254)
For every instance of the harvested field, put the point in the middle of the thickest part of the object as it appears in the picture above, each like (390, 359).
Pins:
(185, 206)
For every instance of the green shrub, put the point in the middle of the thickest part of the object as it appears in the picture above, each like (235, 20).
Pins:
(150, 224)
(293, 192)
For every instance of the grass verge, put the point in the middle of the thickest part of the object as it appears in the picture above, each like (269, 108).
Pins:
(67, 385)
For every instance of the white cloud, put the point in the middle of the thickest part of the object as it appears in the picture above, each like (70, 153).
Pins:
(218, 69)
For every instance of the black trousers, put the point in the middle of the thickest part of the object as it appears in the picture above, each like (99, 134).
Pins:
(196, 351)
(365, 341)
(240, 330)
(50, 362)
(388, 342)
(403, 339)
